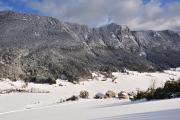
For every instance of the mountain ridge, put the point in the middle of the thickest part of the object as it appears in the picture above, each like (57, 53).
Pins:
(43, 46)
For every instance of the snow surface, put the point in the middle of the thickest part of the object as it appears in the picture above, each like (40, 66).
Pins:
(108, 109)
(47, 106)
(37, 34)
(113, 35)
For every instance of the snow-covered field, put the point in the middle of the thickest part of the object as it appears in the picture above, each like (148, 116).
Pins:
(108, 109)
(46, 106)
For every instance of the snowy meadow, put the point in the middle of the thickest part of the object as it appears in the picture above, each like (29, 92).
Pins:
(44, 101)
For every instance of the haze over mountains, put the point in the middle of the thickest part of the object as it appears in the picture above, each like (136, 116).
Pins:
(38, 46)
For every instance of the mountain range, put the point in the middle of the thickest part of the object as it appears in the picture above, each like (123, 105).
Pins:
(33, 47)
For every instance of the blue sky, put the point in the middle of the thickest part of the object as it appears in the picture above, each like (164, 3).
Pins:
(163, 2)
(18, 5)
(137, 14)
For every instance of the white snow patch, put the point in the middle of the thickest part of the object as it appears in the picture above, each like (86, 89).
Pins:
(86, 36)
(1, 62)
(126, 36)
(51, 22)
(24, 18)
(132, 37)
(124, 27)
(113, 35)
(142, 53)
(37, 34)
(38, 17)
(156, 34)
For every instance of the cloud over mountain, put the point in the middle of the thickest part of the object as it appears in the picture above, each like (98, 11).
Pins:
(134, 13)
(137, 14)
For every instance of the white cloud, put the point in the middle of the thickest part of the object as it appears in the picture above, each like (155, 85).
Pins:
(126, 12)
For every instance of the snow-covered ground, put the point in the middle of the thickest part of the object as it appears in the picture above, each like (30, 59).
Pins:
(108, 109)
(46, 106)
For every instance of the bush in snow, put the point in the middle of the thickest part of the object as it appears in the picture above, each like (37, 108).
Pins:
(42, 79)
(131, 95)
(110, 94)
(171, 89)
(123, 95)
(99, 96)
(73, 98)
(84, 94)
(140, 95)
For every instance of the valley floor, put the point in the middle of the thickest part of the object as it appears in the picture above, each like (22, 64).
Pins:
(46, 105)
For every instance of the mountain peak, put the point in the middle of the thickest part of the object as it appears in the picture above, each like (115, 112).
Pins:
(114, 27)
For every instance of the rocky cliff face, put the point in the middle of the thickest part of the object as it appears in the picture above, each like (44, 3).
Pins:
(32, 46)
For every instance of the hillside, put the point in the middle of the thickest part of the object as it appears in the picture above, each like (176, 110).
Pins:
(38, 47)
